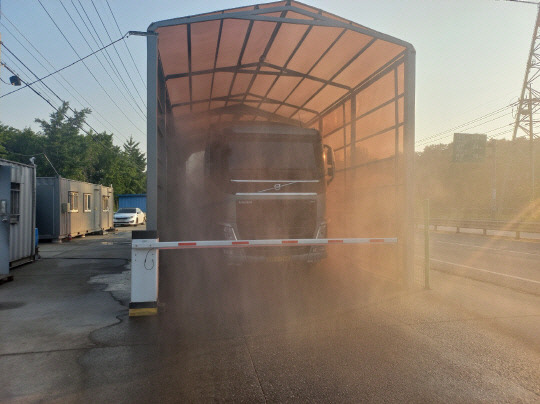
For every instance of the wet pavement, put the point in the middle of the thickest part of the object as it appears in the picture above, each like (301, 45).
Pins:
(265, 333)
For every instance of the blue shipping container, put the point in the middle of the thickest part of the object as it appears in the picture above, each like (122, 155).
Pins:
(132, 201)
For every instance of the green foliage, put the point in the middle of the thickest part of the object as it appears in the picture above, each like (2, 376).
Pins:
(62, 143)
(18, 145)
(90, 157)
(131, 149)
(499, 187)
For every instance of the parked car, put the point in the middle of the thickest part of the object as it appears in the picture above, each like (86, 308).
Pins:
(129, 217)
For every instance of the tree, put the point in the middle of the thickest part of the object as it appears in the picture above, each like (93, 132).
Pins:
(65, 147)
(131, 148)
(499, 186)
(135, 162)
(19, 145)
(89, 156)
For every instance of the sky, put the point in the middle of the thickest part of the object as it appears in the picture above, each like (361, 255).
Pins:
(471, 57)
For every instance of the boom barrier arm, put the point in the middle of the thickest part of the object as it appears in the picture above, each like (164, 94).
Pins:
(168, 245)
(145, 261)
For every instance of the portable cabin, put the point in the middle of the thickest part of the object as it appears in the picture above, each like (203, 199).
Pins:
(132, 201)
(69, 208)
(17, 214)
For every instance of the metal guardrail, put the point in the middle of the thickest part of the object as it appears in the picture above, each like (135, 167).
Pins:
(485, 225)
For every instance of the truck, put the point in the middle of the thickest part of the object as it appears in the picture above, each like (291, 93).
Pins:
(269, 181)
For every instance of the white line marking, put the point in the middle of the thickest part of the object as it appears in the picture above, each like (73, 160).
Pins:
(485, 270)
(487, 248)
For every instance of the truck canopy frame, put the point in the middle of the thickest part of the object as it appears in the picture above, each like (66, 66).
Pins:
(282, 61)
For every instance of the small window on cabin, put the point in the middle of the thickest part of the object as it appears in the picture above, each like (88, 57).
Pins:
(15, 212)
(73, 200)
(87, 203)
(105, 203)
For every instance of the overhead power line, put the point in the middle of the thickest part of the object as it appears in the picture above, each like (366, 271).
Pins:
(31, 84)
(523, 1)
(27, 83)
(46, 86)
(463, 128)
(51, 164)
(60, 82)
(131, 103)
(125, 44)
(114, 47)
(90, 135)
(33, 155)
(480, 121)
(88, 69)
(31, 88)
(15, 65)
(81, 59)
(31, 53)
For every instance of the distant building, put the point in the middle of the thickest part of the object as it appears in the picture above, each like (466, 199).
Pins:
(132, 201)
(69, 208)
(17, 214)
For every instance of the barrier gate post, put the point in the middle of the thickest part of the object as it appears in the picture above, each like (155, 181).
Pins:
(144, 276)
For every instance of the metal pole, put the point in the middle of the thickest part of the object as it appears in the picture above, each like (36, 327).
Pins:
(531, 141)
(151, 133)
(526, 78)
(426, 244)
(494, 182)
(533, 168)
(408, 155)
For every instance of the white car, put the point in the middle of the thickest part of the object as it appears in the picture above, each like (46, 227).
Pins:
(129, 217)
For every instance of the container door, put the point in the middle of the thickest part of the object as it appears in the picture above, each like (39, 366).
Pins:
(65, 216)
(109, 212)
(97, 210)
(5, 211)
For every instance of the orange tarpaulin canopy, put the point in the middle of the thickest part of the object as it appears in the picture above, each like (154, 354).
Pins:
(282, 61)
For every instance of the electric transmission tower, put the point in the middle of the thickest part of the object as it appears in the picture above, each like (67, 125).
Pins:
(529, 100)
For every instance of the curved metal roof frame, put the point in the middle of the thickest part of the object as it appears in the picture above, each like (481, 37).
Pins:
(283, 61)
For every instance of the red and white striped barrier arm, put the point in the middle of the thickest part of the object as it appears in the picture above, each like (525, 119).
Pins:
(174, 245)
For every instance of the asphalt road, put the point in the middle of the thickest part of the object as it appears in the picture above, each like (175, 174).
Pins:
(502, 258)
(264, 333)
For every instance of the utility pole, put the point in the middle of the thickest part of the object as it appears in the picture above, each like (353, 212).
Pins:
(529, 104)
(494, 206)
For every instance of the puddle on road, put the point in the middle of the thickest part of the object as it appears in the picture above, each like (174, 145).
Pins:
(119, 284)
